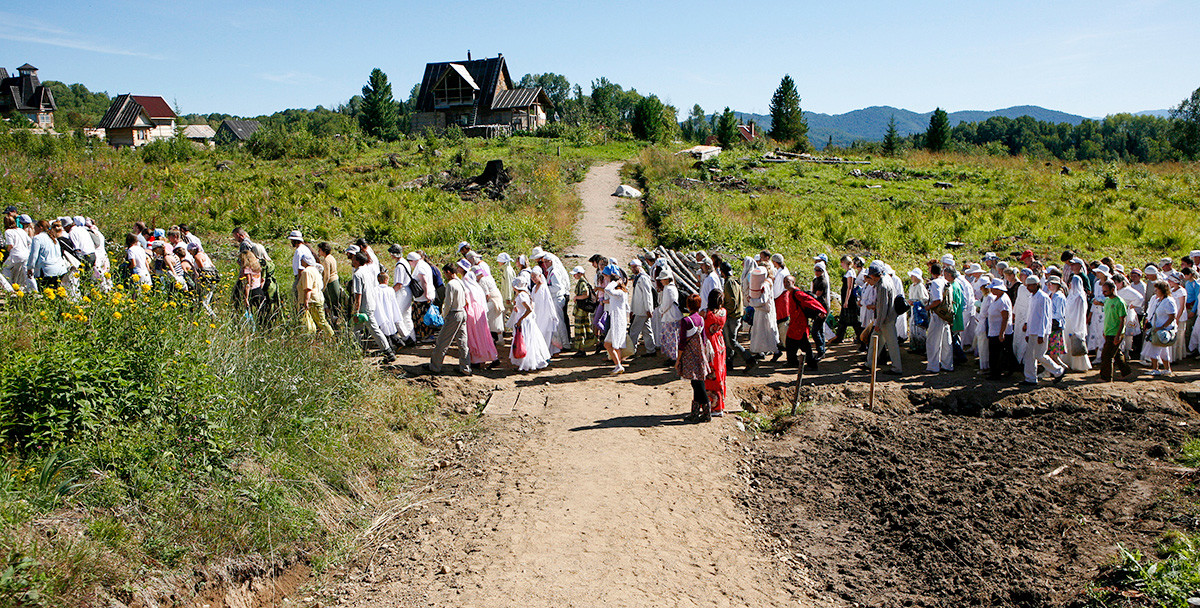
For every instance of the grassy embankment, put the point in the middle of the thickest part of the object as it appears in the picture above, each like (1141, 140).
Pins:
(140, 437)
(1135, 213)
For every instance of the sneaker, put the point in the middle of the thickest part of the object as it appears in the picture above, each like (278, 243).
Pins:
(389, 358)
(617, 371)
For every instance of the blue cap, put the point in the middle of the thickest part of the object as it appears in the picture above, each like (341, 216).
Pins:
(611, 270)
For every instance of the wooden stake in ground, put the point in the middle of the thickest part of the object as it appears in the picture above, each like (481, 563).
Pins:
(799, 381)
(873, 351)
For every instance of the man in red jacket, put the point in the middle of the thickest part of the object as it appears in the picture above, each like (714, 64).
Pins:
(802, 306)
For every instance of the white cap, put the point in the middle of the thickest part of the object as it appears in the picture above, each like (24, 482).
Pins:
(577, 270)
(351, 250)
(974, 268)
(947, 260)
(997, 284)
(295, 236)
(1164, 261)
(462, 246)
(504, 258)
(1194, 254)
(1033, 280)
(916, 272)
(635, 262)
(819, 266)
(536, 254)
(1151, 269)
(1105, 270)
(413, 256)
(474, 257)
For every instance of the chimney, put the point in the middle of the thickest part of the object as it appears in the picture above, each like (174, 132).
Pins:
(468, 54)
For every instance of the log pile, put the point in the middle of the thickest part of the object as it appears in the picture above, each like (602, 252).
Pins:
(684, 267)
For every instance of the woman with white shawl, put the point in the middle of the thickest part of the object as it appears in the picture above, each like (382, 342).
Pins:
(764, 334)
(1133, 302)
(495, 299)
(523, 322)
(1095, 340)
(669, 314)
(545, 310)
(1075, 325)
(505, 279)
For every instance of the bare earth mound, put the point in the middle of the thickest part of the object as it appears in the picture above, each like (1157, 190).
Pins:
(968, 496)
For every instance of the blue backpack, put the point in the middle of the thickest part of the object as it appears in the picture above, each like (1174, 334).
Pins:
(920, 315)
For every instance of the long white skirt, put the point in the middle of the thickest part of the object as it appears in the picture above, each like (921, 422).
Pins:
(764, 333)
(386, 310)
(1095, 335)
(537, 354)
(404, 319)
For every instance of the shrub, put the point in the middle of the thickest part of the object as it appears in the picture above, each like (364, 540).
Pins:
(168, 151)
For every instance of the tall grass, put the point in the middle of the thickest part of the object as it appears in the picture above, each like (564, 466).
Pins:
(1001, 204)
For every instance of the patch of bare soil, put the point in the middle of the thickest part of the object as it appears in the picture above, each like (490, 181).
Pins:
(971, 496)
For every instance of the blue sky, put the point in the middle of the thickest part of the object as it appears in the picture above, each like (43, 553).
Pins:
(249, 57)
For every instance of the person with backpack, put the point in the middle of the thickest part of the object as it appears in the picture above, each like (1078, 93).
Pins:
(401, 286)
(886, 315)
(584, 298)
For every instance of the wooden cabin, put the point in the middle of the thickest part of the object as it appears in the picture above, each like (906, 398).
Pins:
(136, 120)
(24, 94)
(479, 96)
(236, 131)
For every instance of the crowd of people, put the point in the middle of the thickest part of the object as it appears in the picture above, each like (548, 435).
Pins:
(1021, 316)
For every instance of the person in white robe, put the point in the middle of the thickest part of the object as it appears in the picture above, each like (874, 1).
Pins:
(1133, 304)
(1075, 326)
(546, 310)
(939, 351)
(1095, 336)
(617, 306)
(401, 280)
(1021, 316)
(523, 322)
(764, 334)
(1175, 280)
(505, 279)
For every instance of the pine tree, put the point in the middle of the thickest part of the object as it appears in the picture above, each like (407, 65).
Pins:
(380, 116)
(891, 141)
(1185, 119)
(787, 120)
(727, 131)
(937, 138)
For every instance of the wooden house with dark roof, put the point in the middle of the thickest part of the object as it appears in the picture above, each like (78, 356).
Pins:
(479, 96)
(136, 120)
(24, 94)
(235, 131)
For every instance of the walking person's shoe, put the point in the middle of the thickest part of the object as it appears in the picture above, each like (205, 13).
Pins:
(388, 358)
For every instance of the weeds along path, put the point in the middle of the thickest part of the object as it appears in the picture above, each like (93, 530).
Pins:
(584, 490)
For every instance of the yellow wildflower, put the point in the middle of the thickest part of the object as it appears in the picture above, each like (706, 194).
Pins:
(195, 324)
(212, 325)
(62, 291)
(145, 287)
(116, 315)
(120, 287)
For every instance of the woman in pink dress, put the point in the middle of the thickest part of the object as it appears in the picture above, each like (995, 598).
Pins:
(479, 335)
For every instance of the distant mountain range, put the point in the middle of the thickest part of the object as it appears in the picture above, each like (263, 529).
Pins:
(871, 123)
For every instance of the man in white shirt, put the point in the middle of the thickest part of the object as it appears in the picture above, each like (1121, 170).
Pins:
(640, 307)
(188, 237)
(939, 352)
(1037, 333)
(363, 299)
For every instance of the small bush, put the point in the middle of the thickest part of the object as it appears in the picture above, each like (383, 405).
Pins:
(168, 151)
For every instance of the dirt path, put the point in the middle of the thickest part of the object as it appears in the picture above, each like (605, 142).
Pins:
(583, 490)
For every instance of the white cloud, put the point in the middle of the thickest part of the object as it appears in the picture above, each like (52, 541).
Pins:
(23, 29)
(291, 78)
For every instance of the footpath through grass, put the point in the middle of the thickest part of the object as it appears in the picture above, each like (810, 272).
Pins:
(141, 438)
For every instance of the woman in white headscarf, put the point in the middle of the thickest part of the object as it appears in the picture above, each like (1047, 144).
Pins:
(480, 342)
(1175, 281)
(1075, 326)
(505, 279)
(495, 300)
(546, 311)
(523, 322)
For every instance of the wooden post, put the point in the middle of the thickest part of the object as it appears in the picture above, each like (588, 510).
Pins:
(799, 381)
(873, 351)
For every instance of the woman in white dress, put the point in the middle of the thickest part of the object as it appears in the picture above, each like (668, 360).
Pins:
(480, 342)
(764, 335)
(1163, 313)
(670, 314)
(495, 298)
(523, 322)
(617, 307)
(1095, 335)
(545, 310)
(1075, 324)
(402, 278)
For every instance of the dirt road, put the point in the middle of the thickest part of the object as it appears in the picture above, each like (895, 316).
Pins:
(584, 490)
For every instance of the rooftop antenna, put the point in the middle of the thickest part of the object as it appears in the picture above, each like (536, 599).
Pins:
(468, 54)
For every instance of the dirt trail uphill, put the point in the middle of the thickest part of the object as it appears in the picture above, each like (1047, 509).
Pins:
(584, 491)
(589, 490)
